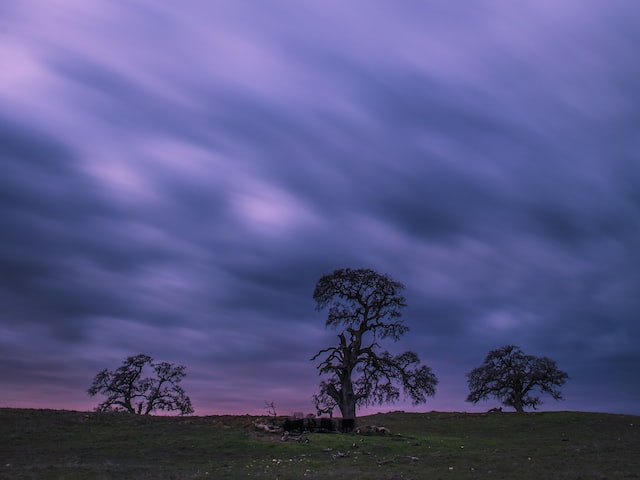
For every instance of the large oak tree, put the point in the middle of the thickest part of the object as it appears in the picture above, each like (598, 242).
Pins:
(366, 307)
(512, 377)
(128, 389)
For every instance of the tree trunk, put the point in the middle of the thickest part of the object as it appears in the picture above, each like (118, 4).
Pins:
(348, 407)
(517, 404)
(347, 403)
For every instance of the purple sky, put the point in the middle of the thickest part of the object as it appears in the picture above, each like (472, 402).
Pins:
(177, 176)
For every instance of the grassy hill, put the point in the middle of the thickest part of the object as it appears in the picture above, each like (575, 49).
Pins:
(54, 444)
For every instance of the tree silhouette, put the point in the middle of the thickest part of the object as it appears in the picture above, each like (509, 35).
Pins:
(127, 390)
(367, 306)
(511, 376)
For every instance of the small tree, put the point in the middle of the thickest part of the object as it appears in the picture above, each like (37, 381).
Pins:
(367, 305)
(271, 408)
(511, 376)
(127, 390)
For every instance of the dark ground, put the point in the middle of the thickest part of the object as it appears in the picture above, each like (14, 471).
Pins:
(54, 444)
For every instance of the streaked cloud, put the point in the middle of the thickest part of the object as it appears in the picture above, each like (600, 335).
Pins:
(177, 178)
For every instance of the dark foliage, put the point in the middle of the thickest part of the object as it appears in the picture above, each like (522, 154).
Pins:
(366, 306)
(296, 424)
(128, 390)
(511, 376)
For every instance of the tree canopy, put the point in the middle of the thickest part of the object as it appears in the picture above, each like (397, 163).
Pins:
(366, 306)
(512, 377)
(127, 389)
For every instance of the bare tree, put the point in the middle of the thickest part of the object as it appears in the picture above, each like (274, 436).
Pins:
(128, 390)
(367, 306)
(271, 408)
(511, 376)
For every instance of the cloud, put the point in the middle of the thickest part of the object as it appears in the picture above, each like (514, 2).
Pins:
(176, 179)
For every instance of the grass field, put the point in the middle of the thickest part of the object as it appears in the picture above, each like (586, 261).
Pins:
(54, 444)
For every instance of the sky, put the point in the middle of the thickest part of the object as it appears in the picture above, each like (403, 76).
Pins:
(176, 177)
